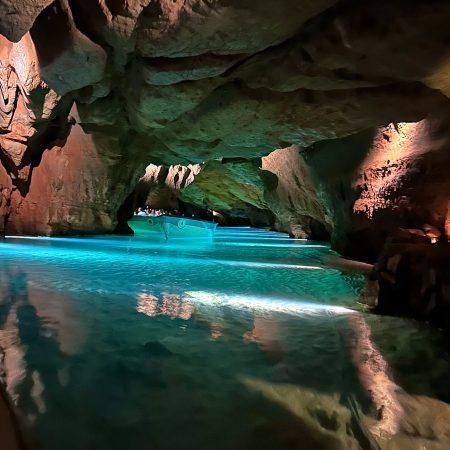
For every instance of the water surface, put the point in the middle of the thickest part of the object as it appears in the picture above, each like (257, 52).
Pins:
(247, 342)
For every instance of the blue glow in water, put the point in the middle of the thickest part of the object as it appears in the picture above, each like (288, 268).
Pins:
(125, 343)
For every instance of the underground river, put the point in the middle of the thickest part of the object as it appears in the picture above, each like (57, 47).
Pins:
(247, 342)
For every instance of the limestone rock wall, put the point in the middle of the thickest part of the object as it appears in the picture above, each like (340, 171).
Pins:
(275, 190)
(380, 179)
(92, 92)
(293, 201)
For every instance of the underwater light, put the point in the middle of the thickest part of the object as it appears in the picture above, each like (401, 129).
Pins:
(264, 303)
(27, 237)
(237, 263)
(260, 244)
(256, 238)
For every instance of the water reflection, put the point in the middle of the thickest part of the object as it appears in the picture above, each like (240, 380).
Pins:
(171, 305)
(36, 326)
(374, 374)
(266, 333)
(109, 349)
(216, 330)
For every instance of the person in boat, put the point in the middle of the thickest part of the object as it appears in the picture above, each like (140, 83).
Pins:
(141, 212)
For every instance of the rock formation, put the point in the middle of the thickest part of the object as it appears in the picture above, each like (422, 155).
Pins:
(93, 92)
(375, 181)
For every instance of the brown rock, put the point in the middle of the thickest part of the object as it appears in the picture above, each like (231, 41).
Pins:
(237, 122)
(172, 82)
(17, 16)
(223, 186)
(432, 232)
(179, 28)
(293, 200)
(71, 190)
(289, 67)
(360, 40)
(165, 71)
(68, 59)
(414, 281)
(24, 100)
(154, 107)
(376, 181)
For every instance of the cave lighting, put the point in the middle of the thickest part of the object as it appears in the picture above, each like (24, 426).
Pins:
(385, 166)
(264, 265)
(252, 244)
(270, 304)
(118, 254)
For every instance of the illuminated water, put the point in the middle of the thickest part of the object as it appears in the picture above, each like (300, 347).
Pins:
(119, 343)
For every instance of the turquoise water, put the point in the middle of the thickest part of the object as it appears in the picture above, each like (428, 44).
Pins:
(122, 343)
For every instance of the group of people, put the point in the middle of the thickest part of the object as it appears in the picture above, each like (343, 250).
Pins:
(147, 211)
(202, 214)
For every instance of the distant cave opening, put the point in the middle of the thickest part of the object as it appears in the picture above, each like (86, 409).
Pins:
(162, 189)
(154, 192)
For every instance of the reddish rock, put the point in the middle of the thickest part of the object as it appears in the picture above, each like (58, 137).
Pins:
(25, 102)
(5, 197)
(172, 82)
(76, 188)
(376, 181)
(432, 232)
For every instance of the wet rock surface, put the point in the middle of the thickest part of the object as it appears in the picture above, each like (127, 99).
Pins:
(377, 180)
(173, 83)
(414, 280)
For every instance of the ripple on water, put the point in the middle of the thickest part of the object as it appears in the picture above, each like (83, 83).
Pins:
(244, 342)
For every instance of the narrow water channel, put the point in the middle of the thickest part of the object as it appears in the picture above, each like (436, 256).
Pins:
(246, 342)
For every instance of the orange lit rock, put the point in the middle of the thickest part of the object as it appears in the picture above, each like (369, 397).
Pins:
(71, 189)
(180, 82)
(376, 181)
(5, 197)
(432, 232)
(25, 100)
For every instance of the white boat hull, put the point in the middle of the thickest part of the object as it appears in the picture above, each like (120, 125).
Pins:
(171, 227)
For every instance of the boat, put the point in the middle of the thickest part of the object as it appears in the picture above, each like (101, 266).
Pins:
(170, 227)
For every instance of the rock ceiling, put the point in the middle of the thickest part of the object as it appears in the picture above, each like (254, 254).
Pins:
(93, 91)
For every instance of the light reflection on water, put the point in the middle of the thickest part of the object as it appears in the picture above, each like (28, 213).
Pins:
(114, 343)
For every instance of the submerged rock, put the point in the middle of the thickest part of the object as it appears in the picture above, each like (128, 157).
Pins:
(156, 349)
(323, 423)
(414, 280)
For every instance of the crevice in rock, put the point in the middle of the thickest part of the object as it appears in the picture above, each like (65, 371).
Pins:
(85, 22)
(49, 33)
(54, 133)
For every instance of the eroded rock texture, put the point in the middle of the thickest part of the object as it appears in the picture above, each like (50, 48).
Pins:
(92, 92)
(375, 181)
